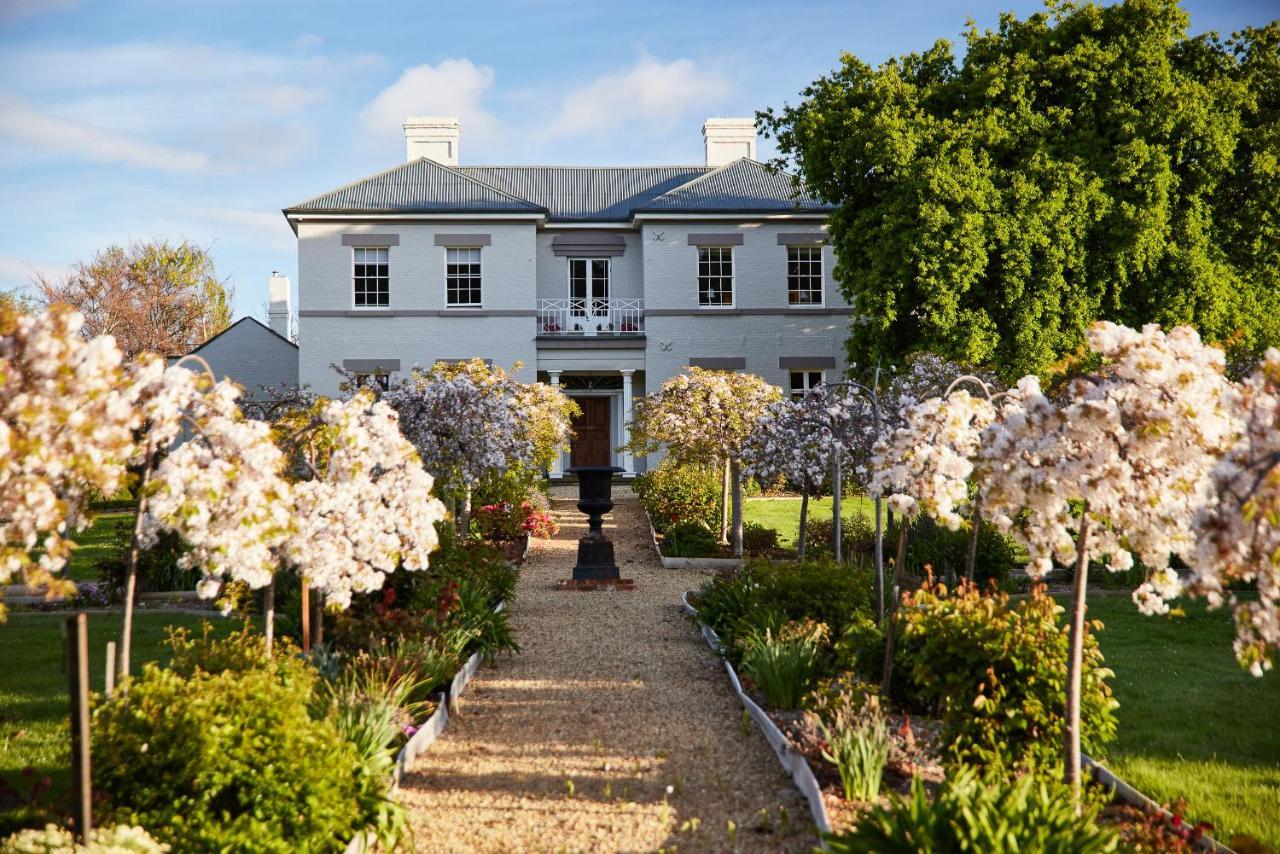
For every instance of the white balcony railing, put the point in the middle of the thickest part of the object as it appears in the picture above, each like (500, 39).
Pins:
(594, 316)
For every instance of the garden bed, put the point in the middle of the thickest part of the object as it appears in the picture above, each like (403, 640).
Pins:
(713, 563)
(916, 745)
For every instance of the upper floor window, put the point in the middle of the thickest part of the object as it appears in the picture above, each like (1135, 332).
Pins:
(371, 277)
(803, 382)
(589, 287)
(715, 275)
(804, 275)
(462, 276)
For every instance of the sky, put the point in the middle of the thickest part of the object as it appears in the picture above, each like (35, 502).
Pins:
(200, 119)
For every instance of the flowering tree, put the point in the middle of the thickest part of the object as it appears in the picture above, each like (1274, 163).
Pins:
(1118, 468)
(366, 507)
(702, 417)
(461, 428)
(785, 443)
(66, 430)
(1238, 529)
(924, 466)
(223, 490)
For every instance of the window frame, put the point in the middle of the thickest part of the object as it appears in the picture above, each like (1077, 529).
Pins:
(356, 249)
(381, 378)
(480, 277)
(806, 384)
(822, 276)
(732, 277)
(589, 261)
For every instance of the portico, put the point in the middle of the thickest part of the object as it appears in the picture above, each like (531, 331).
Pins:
(605, 398)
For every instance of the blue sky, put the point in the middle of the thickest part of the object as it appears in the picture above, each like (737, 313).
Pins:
(149, 119)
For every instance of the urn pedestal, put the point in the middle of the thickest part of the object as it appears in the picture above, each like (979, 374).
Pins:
(596, 566)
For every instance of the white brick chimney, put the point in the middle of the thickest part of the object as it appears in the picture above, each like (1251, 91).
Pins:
(729, 139)
(278, 310)
(434, 137)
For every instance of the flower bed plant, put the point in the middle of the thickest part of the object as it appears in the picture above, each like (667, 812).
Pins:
(978, 674)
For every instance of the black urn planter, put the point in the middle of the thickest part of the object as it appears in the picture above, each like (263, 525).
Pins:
(595, 498)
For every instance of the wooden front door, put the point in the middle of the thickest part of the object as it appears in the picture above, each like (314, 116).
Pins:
(590, 445)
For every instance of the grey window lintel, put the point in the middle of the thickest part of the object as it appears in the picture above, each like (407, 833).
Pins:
(373, 365)
(371, 240)
(812, 363)
(718, 363)
(723, 238)
(464, 241)
(802, 238)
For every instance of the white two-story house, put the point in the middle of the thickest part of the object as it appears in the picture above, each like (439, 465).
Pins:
(605, 281)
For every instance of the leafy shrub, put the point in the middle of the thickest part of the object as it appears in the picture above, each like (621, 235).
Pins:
(674, 493)
(690, 539)
(1026, 815)
(158, 570)
(239, 652)
(859, 748)
(828, 593)
(515, 485)
(230, 761)
(507, 521)
(996, 673)
(824, 592)
(928, 544)
(52, 839)
(946, 551)
(784, 666)
(427, 663)
(758, 539)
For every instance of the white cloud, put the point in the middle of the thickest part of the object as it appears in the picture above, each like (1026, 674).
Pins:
(13, 10)
(307, 41)
(16, 273)
(24, 124)
(262, 228)
(454, 87)
(650, 91)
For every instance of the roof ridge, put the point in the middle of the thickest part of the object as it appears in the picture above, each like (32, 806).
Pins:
(352, 184)
(705, 175)
(555, 166)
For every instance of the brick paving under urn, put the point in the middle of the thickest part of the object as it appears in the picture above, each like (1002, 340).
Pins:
(613, 730)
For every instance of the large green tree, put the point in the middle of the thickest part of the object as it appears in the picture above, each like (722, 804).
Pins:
(1086, 163)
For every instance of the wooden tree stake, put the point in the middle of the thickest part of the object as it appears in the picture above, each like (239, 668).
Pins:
(78, 658)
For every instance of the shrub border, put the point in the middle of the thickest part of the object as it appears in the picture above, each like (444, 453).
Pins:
(791, 761)
(688, 562)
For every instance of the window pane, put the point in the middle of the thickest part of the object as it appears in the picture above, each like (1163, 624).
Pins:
(462, 276)
(804, 275)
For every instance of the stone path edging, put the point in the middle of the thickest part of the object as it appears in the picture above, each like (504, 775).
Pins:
(794, 764)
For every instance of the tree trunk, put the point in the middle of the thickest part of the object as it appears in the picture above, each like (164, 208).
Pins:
(879, 563)
(319, 619)
(735, 475)
(972, 557)
(890, 628)
(1075, 660)
(269, 615)
(306, 616)
(804, 518)
(464, 517)
(837, 492)
(724, 503)
(131, 576)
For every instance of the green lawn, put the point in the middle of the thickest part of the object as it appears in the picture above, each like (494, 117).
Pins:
(1193, 724)
(783, 514)
(34, 687)
(95, 543)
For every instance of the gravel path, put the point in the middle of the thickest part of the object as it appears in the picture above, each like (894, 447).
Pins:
(613, 730)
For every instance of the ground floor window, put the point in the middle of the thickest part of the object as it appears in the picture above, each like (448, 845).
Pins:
(802, 382)
(373, 380)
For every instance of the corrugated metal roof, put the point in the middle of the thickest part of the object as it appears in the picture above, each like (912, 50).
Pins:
(740, 186)
(586, 193)
(419, 186)
(565, 193)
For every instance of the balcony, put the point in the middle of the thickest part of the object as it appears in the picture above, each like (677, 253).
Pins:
(579, 317)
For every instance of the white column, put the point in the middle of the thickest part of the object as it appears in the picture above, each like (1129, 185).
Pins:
(557, 465)
(627, 460)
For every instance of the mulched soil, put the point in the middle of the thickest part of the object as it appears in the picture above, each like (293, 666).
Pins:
(614, 729)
